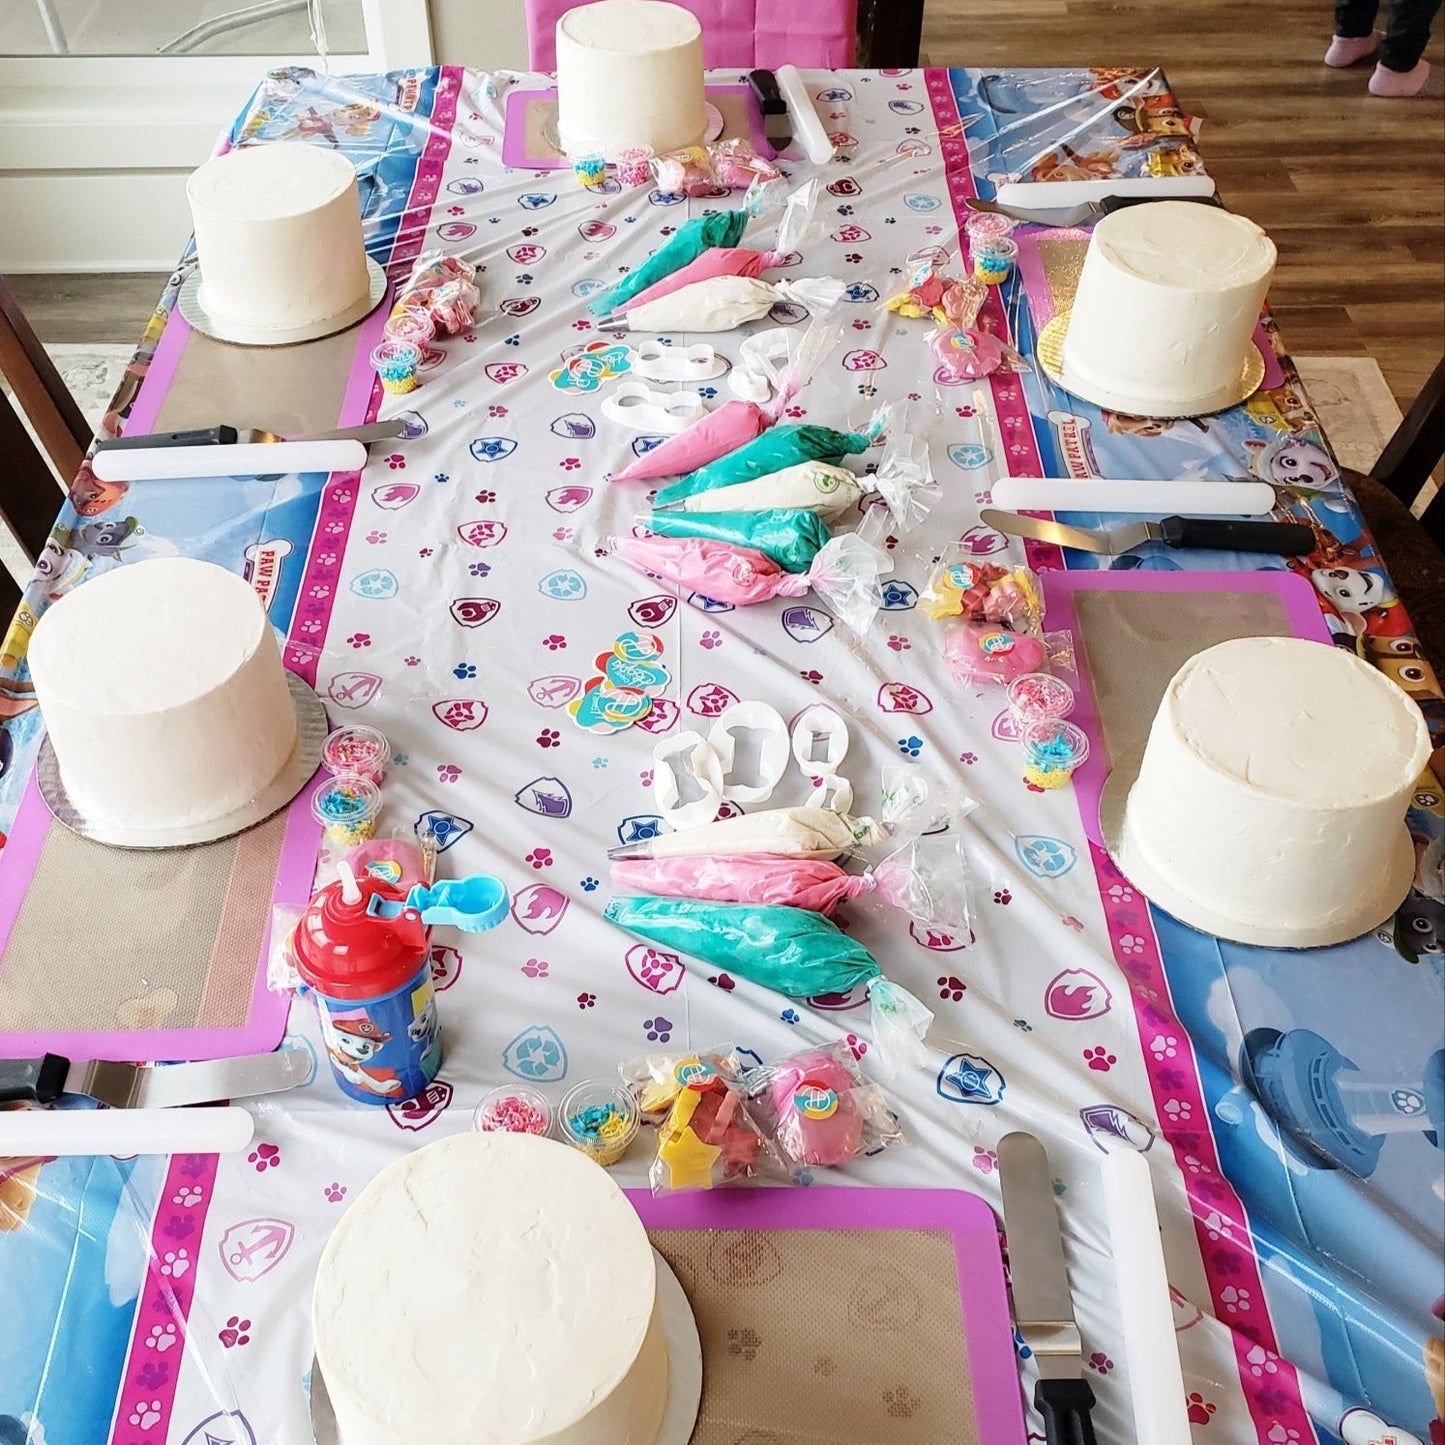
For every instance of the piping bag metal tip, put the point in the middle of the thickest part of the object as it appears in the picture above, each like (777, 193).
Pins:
(629, 852)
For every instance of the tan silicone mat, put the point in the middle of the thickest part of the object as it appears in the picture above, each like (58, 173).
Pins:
(822, 1336)
(1134, 642)
(117, 941)
(540, 116)
(293, 390)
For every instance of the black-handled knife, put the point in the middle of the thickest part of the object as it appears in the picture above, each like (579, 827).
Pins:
(1280, 539)
(210, 436)
(1121, 203)
(777, 123)
(1039, 1281)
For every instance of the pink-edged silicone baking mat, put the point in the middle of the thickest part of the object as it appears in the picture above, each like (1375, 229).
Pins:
(873, 1316)
(1134, 630)
(530, 115)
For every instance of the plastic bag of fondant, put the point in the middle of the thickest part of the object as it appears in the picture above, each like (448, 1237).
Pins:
(783, 446)
(962, 586)
(691, 239)
(723, 303)
(844, 573)
(790, 536)
(735, 423)
(803, 832)
(819, 1110)
(707, 1136)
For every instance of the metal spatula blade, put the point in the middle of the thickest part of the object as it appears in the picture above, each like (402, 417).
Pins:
(166, 1086)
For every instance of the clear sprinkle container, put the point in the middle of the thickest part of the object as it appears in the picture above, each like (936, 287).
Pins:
(600, 1119)
(513, 1109)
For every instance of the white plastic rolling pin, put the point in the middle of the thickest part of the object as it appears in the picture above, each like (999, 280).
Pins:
(808, 128)
(27, 1133)
(1158, 499)
(244, 459)
(1151, 1352)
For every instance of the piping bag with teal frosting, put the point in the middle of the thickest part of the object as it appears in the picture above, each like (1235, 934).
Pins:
(692, 238)
(782, 446)
(793, 950)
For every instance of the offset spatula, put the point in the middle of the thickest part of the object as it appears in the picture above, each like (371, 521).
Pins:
(1039, 1282)
(1282, 539)
(374, 431)
(166, 1086)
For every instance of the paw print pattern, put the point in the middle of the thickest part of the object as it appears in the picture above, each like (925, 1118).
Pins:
(591, 885)
(1101, 1362)
(376, 538)
(586, 1000)
(570, 464)
(1099, 1059)
(723, 981)
(549, 738)
(968, 759)
(540, 858)
(396, 462)
(187, 1198)
(555, 642)
(659, 1030)
(1164, 1046)
(984, 1160)
(1200, 1409)
(710, 640)
(146, 1414)
(951, 987)
(360, 639)
(910, 746)
(464, 670)
(856, 1046)
(334, 1192)
(791, 1017)
(175, 1263)
(536, 967)
(236, 1333)
(898, 643)
(264, 1157)
(901, 1403)
(161, 1337)
(448, 772)
(1235, 1299)
(745, 1342)
(486, 495)
(1002, 895)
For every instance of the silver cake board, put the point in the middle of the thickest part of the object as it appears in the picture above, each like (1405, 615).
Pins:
(193, 307)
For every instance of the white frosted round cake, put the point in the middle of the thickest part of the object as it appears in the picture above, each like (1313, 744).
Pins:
(629, 73)
(1166, 308)
(1270, 802)
(163, 692)
(278, 237)
(491, 1289)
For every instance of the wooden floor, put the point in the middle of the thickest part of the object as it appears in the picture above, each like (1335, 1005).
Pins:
(1352, 189)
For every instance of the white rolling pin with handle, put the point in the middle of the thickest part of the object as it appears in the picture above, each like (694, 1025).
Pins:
(256, 459)
(1156, 498)
(1151, 1352)
(45, 1133)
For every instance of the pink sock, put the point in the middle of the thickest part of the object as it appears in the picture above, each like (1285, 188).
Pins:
(1398, 84)
(1349, 50)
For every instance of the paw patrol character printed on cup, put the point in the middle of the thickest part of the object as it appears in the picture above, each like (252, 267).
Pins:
(371, 978)
(1052, 750)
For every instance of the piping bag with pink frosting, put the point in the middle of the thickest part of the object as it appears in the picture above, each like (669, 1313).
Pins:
(844, 573)
(739, 260)
(735, 422)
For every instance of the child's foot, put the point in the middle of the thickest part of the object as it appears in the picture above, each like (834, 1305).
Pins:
(1350, 50)
(1399, 84)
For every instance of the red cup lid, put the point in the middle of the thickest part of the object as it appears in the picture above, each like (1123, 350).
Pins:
(344, 953)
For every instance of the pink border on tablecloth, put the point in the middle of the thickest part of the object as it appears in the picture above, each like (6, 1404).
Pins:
(165, 1301)
(1132, 937)
(993, 1365)
(321, 579)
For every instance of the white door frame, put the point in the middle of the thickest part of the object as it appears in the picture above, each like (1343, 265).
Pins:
(94, 149)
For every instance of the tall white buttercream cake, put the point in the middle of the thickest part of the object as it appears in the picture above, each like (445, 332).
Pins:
(278, 236)
(1270, 803)
(491, 1289)
(629, 73)
(163, 692)
(1166, 308)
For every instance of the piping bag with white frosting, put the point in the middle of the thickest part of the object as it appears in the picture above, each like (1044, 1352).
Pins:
(723, 303)
(803, 832)
(793, 950)
(904, 480)
(735, 422)
(739, 260)
(691, 240)
(783, 446)
(844, 573)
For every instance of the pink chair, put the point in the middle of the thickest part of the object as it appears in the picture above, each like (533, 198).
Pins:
(736, 34)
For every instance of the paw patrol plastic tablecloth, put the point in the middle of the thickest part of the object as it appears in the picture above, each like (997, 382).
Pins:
(454, 595)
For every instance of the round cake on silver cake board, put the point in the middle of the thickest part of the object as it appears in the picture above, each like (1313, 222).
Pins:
(684, 1365)
(311, 730)
(1392, 887)
(1051, 358)
(193, 307)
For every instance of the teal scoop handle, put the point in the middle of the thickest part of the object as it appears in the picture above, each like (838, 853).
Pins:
(472, 904)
